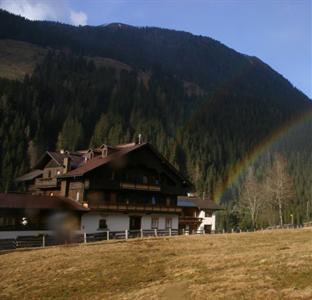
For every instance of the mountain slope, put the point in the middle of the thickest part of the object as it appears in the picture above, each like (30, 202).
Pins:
(177, 52)
(72, 100)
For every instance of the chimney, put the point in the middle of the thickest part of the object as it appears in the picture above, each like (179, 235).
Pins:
(66, 164)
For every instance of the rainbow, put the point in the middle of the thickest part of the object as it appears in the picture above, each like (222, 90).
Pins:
(257, 151)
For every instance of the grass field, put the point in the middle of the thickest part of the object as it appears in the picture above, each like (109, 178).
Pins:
(262, 265)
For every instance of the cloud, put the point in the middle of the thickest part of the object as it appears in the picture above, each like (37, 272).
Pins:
(31, 9)
(55, 10)
(78, 18)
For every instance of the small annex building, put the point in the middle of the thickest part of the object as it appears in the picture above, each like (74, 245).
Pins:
(198, 214)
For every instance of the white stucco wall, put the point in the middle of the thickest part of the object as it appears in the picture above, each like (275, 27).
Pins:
(120, 222)
(207, 221)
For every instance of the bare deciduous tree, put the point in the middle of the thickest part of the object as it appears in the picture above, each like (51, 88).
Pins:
(251, 198)
(279, 186)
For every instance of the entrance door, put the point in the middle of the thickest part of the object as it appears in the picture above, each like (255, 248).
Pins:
(207, 228)
(135, 222)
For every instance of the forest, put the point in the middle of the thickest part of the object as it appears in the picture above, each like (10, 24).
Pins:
(203, 105)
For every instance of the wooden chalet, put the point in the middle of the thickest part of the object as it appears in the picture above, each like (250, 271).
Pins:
(125, 187)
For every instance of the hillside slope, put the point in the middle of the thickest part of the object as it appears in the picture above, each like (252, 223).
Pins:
(204, 105)
(260, 265)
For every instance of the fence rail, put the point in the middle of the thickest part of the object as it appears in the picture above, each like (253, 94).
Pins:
(52, 240)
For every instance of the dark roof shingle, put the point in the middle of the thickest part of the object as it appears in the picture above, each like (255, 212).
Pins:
(198, 202)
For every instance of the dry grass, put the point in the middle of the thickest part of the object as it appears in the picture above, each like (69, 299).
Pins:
(269, 265)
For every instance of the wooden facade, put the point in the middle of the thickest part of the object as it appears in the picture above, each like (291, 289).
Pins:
(131, 179)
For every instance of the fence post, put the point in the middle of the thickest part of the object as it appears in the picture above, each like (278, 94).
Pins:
(43, 241)
(141, 232)
(126, 234)
(107, 235)
(155, 231)
(170, 232)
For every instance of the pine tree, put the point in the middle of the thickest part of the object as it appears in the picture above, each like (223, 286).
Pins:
(71, 136)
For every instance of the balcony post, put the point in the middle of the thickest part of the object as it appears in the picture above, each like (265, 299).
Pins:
(169, 231)
(126, 234)
(155, 231)
(141, 231)
(43, 241)
(84, 238)
(107, 235)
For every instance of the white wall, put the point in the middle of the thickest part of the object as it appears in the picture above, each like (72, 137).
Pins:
(120, 222)
(147, 221)
(207, 221)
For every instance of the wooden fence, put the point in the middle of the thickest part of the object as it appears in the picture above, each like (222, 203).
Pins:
(52, 240)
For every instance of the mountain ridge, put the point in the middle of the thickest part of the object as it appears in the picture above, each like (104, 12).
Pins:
(71, 100)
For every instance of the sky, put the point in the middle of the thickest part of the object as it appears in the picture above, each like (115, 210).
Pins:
(279, 32)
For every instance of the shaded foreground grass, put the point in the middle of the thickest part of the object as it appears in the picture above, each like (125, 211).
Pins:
(262, 265)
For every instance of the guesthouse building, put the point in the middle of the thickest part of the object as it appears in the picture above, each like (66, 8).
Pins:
(124, 187)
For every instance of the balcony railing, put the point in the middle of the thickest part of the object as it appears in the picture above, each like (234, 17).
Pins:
(142, 187)
(131, 207)
(46, 182)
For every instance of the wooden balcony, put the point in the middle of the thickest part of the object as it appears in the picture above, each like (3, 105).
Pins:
(46, 183)
(135, 208)
(140, 187)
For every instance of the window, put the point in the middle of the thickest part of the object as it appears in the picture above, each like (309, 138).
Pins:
(102, 224)
(7, 221)
(154, 223)
(208, 214)
(168, 223)
(145, 180)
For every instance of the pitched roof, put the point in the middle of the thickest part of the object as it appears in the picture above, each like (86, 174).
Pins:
(185, 203)
(30, 176)
(27, 201)
(200, 203)
(75, 159)
(122, 150)
(98, 161)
